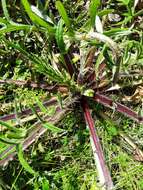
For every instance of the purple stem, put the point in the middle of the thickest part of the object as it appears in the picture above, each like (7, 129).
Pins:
(69, 65)
(28, 111)
(29, 84)
(37, 131)
(98, 148)
(118, 107)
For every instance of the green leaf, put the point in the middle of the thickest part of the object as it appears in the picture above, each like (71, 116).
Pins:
(41, 15)
(3, 21)
(59, 36)
(6, 150)
(63, 14)
(89, 93)
(45, 184)
(7, 140)
(105, 12)
(118, 31)
(9, 25)
(23, 162)
(35, 112)
(52, 127)
(40, 64)
(10, 127)
(125, 2)
(51, 110)
(16, 135)
(94, 4)
(6, 14)
(112, 131)
(41, 106)
(36, 18)
(11, 28)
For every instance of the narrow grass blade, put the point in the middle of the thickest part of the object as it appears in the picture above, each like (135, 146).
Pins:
(45, 184)
(12, 24)
(35, 18)
(63, 14)
(8, 141)
(6, 14)
(125, 2)
(11, 28)
(34, 133)
(23, 162)
(52, 127)
(10, 127)
(40, 64)
(136, 151)
(40, 14)
(105, 12)
(41, 106)
(59, 36)
(36, 113)
(65, 54)
(94, 4)
(17, 135)
(104, 175)
(118, 31)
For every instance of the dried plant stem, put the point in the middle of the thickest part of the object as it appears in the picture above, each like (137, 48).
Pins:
(104, 175)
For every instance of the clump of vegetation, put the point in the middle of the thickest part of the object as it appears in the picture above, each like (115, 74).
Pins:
(71, 93)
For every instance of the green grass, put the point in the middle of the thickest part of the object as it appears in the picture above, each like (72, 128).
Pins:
(59, 45)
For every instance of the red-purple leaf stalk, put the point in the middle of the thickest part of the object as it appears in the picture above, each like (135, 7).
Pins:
(50, 102)
(103, 172)
(69, 65)
(29, 84)
(89, 65)
(37, 130)
(118, 107)
(33, 135)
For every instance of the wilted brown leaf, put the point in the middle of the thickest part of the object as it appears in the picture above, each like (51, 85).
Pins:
(138, 155)
(136, 97)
